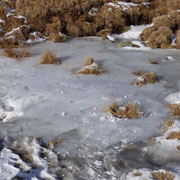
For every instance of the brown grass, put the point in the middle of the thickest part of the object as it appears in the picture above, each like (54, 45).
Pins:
(163, 21)
(147, 78)
(173, 135)
(2, 117)
(163, 176)
(152, 61)
(178, 147)
(49, 57)
(130, 110)
(90, 67)
(174, 109)
(139, 73)
(88, 61)
(178, 39)
(137, 174)
(17, 54)
(161, 38)
(167, 124)
(54, 142)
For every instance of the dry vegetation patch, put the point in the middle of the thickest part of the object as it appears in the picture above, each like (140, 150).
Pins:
(49, 57)
(137, 174)
(174, 109)
(17, 53)
(144, 78)
(54, 142)
(167, 124)
(152, 61)
(163, 176)
(173, 135)
(130, 110)
(90, 66)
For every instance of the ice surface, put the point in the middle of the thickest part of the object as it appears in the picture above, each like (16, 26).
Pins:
(49, 101)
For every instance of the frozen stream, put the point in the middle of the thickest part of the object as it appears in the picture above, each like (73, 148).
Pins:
(48, 101)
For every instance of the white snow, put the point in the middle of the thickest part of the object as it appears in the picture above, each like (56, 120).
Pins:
(173, 98)
(125, 5)
(133, 33)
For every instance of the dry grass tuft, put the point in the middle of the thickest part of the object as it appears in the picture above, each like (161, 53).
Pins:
(54, 142)
(139, 73)
(163, 176)
(130, 110)
(2, 117)
(137, 174)
(49, 57)
(17, 54)
(152, 61)
(173, 135)
(174, 109)
(90, 67)
(167, 124)
(145, 78)
(88, 61)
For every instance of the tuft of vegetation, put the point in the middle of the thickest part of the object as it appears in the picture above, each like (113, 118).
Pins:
(54, 142)
(173, 135)
(90, 67)
(137, 174)
(144, 78)
(163, 176)
(152, 61)
(17, 54)
(130, 110)
(49, 57)
(167, 124)
(174, 109)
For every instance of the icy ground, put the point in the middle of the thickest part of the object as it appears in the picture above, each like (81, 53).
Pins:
(51, 102)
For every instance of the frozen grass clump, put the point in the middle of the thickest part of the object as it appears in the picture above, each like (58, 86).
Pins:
(17, 54)
(174, 109)
(153, 61)
(49, 57)
(173, 135)
(90, 66)
(144, 78)
(163, 175)
(130, 110)
(53, 143)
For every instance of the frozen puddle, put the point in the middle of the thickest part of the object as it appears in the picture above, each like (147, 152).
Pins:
(46, 105)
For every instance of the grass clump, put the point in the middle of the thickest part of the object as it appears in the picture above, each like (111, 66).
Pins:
(137, 174)
(90, 67)
(163, 176)
(152, 61)
(130, 110)
(54, 142)
(144, 78)
(173, 135)
(167, 124)
(49, 57)
(17, 54)
(174, 109)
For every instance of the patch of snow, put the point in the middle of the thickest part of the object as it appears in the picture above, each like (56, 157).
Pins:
(133, 33)
(111, 38)
(173, 98)
(165, 145)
